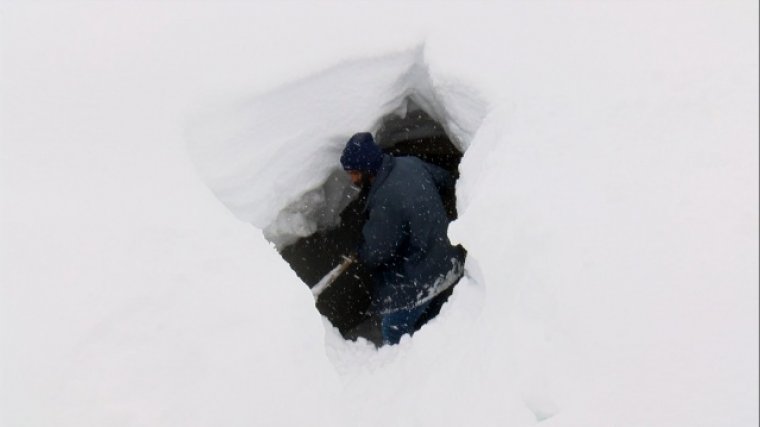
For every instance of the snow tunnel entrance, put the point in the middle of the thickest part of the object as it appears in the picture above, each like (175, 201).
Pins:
(346, 302)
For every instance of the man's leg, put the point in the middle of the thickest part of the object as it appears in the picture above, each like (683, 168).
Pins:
(401, 322)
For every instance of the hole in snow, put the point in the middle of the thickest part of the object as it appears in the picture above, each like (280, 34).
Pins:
(346, 302)
(273, 160)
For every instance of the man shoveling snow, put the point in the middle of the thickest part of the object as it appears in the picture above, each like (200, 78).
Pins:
(404, 241)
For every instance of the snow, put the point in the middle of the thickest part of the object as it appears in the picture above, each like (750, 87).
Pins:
(155, 154)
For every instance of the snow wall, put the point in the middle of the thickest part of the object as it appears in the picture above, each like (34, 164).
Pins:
(608, 195)
(268, 158)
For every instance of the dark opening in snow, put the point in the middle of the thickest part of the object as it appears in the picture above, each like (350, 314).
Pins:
(345, 303)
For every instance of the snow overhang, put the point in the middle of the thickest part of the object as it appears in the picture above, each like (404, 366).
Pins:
(268, 157)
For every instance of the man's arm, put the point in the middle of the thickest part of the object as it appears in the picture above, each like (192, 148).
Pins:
(445, 184)
(441, 177)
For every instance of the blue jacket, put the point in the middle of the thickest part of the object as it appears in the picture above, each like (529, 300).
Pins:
(405, 243)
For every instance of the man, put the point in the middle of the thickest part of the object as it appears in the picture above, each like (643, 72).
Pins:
(405, 244)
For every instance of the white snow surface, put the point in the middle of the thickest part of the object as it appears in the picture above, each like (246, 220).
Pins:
(153, 153)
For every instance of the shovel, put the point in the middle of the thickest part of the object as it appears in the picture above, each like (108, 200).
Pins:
(332, 276)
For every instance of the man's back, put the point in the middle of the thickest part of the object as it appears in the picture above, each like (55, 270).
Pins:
(405, 237)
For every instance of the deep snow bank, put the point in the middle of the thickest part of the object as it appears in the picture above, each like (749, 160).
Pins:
(269, 158)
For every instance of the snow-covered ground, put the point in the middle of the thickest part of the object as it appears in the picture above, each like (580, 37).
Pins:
(608, 200)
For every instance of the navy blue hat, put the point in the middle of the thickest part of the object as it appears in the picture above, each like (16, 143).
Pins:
(362, 154)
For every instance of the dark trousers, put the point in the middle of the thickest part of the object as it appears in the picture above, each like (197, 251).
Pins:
(398, 323)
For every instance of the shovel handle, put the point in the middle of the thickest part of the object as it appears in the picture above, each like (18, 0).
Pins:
(330, 277)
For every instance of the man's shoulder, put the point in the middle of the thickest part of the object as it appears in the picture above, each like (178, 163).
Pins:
(395, 182)
(408, 167)
(400, 172)
(409, 162)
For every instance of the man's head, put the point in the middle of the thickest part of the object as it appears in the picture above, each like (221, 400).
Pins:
(361, 158)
